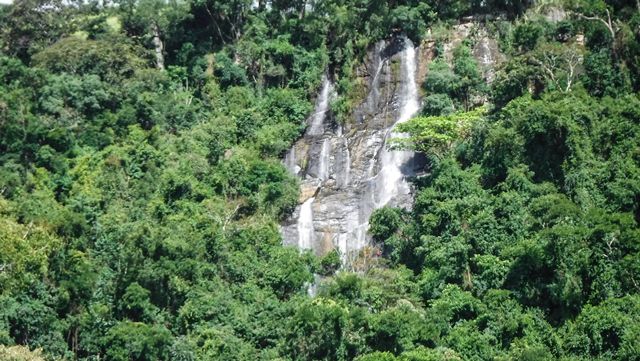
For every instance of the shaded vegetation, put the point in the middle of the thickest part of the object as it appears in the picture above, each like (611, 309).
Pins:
(141, 185)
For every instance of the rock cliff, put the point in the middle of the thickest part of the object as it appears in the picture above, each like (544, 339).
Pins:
(346, 170)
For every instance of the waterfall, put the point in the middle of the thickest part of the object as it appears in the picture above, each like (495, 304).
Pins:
(315, 173)
(393, 165)
(291, 162)
(306, 233)
(348, 173)
(316, 126)
(390, 180)
(324, 160)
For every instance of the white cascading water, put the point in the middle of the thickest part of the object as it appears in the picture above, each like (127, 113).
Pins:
(348, 170)
(390, 180)
(306, 233)
(305, 224)
(347, 194)
(307, 237)
(316, 126)
(323, 161)
(290, 161)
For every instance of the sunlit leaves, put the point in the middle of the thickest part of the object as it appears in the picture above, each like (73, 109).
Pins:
(436, 135)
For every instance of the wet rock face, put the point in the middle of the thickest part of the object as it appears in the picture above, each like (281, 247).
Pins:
(345, 170)
(339, 165)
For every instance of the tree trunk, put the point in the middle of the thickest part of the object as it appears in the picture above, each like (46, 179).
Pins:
(303, 8)
(159, 46)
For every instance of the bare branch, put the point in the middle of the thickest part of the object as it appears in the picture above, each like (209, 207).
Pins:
(608, 23)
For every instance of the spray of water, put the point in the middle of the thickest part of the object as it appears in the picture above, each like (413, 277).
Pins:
(306, 233)
(390, 181)
(316, 126)
(385, 179)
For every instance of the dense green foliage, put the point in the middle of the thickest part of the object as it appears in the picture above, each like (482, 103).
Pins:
(140, 197)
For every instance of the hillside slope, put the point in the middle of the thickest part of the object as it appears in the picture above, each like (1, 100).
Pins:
(466, 175)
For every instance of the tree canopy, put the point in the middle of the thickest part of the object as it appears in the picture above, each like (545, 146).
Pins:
(141, 183)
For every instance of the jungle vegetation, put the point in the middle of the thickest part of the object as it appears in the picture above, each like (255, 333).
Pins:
(141, 184)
